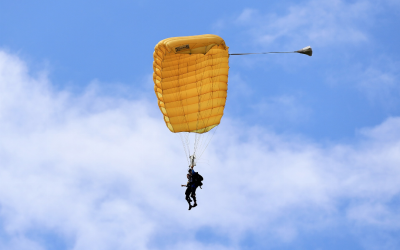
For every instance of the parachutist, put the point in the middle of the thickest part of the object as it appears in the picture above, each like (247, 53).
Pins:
(194, 180)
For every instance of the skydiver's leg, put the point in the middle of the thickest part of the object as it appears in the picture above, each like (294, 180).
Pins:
(194, 196)
(195, 203)
(187, 193)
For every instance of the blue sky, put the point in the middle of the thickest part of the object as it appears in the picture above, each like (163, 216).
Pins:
(307, 155)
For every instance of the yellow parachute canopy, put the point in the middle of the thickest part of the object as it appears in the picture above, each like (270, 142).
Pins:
(191, 81)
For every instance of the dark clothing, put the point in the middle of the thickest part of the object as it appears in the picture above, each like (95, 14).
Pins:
(191, 187)
(188, 191)
(194, 187)
(191, 174)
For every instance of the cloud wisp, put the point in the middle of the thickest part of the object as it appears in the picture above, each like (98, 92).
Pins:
(103, 172)
(320, 23)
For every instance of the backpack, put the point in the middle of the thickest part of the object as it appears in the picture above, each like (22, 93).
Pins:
(197, 178)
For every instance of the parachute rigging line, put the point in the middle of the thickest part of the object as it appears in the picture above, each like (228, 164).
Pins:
(184, 148)
(212, 135)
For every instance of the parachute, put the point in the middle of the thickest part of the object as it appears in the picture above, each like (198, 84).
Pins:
(191, 82)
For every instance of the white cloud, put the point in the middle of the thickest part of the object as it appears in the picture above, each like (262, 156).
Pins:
(246, 15)
(378, 80)
(316, 23)
(101, 172)
(385, 132)
(381, 84)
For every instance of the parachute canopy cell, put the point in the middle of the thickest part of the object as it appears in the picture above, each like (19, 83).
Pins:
(191, 81)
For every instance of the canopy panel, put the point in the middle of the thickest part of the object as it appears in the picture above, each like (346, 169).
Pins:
(191, 81)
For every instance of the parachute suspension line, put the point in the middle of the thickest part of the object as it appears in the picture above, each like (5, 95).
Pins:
(201, 143)
(205, 141)
(212, 135)
(187, 137)
(184, 148)
(196, 142)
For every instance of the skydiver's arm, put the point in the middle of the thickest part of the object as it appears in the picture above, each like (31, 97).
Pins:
(186, 184)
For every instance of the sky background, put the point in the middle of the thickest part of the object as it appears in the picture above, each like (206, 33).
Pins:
(307, 155)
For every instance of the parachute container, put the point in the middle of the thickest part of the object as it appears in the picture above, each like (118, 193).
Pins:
(191, 81)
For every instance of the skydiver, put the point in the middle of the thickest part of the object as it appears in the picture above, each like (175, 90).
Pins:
(191, 187)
